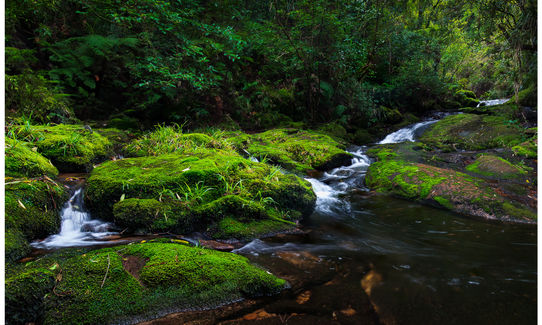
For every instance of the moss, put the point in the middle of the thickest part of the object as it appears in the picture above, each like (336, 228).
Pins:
(362, 137)
(528, 96)
(124, 123)
(16, 245)
(444, 187)
(333, 129)
(508, 110)
(117, 138)
(183, 193)
(466, 98)
(527, 149)
(518, 212)
(25, 293)
(71, 148)
(232, 228)
(134, 214)
(382, 153)
(32, 207)
(444, 202)
(171, 139)
(295, 150)
(472, 132)
(496, 167)
(22, 161)
(170, 278)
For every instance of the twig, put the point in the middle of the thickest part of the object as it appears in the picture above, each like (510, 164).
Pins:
(108, 263)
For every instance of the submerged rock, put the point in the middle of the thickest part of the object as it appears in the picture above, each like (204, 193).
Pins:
(124, 284)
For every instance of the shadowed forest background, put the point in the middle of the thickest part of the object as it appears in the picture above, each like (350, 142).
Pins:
(262, 63)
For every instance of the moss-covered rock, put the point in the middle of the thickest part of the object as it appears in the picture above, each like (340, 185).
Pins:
(473, 132)
(132, 282)
(446, 188)
(32, 210)
(495, 167)
(25, 293)
(466, 98)
(71, 148)
(172, 139)
(15, 244)
(527, 149)
(184, 193)
(22, 161)
(296, 150)
(528, 96)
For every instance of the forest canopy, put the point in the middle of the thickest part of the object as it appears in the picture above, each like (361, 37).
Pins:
(260, 62)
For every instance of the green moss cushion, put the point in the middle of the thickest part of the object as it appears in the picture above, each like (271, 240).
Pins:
(129, 283)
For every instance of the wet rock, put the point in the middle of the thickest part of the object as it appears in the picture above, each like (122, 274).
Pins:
(216, 245)
(445, 188)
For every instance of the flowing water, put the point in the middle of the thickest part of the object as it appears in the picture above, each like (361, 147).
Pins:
(426, 265)
(417, 264)
(492, 102)
(77, 228)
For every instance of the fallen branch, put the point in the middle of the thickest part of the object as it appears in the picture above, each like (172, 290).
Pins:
(107, 271)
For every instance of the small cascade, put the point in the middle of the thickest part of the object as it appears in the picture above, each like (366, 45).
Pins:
(77, 228)
(492, 102)
(340, 181)
(407, 134)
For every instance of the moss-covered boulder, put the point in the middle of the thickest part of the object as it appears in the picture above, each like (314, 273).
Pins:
(184, 193)
(32, 211)
(446, 188)
(25, 294)
(172, 139)
(296, 150)
(473, 132)
(496, 167)
(466, 98)
(23, 160)
(128, 283)
(528, 96)
(527, 149)
(71, 148)
(15, 244)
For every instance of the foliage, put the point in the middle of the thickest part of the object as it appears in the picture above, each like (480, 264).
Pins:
(267, 63)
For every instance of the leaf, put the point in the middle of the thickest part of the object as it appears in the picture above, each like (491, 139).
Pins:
(54, 267)
(122, 197)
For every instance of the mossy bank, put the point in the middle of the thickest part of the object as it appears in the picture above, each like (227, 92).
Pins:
(130, 283)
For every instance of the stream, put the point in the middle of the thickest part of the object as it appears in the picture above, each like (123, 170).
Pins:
(416, 264)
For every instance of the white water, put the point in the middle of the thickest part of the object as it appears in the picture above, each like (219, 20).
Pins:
(493, 102)
(77, 228)
(406, 134)
(340, 181)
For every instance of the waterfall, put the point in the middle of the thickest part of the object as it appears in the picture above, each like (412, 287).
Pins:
(77, 228)
(407, 134)
(492, 102)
